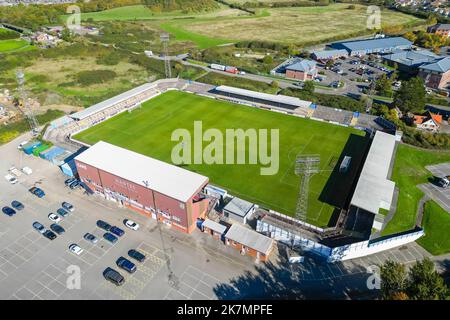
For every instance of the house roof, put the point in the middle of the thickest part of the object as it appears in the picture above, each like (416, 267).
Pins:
(249, 238)
(442, 26)
(215, 226)
(419, 119)
(374, 44)
(302, 65)
(373, 190)
(265, 96)
(238, 207)
(150, 173)
(441, 66)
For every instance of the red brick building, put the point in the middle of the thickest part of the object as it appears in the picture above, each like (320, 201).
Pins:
(437, 74)
(302, 70)
(440, 29)
(160, 190)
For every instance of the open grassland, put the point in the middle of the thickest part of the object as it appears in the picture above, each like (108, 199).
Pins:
(436, 223)
(409, 171)
(296, 25)
(148, 131)
(14, 45)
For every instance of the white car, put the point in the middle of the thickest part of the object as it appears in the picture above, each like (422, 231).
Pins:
(74, 248)
(54, 217)
(11, 179)
(20, 146)
(132, 225)
(27, 170)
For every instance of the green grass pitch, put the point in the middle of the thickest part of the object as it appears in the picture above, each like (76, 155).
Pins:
(148, 130)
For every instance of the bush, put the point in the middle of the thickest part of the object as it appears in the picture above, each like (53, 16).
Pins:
(87, 78)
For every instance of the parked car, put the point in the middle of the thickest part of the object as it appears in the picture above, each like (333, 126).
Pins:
(53, 217)
(37, 192)
(74, 185)
(136, 255)
(131, 224)
(76, 249)
(49, 235)
(444, 182)
(90, 237)
(117, 231)
(9, 211)
(57, 228)
(126, 265)
(110, 237)
(68, 207)
(69, 181)
(62, 212)
(11, 179)
(112, 275)
(17, 205)
(103, 225)
(39, 227)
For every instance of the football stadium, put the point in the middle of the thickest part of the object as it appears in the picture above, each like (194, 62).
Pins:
(147, 129)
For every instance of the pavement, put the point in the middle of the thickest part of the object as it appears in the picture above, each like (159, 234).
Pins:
(438, 194)
(178, 266)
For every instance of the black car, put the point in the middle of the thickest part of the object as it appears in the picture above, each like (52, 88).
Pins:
(103, 225)
(62, 212)
(17, 205)
(49, 235)
(117, 231)
(126, 265)
(69, 181)
(136, 255)
(110, 237)
(112, 275)
(57, 228)
(8, 211)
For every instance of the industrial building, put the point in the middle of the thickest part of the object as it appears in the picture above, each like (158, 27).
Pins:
(163, 191)
(324, 55)
(380, 45)
(409, 61)
(374, 191)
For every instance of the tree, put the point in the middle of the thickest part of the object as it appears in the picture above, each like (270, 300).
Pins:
(329, 64)
(411, 96)
(426, 283)
(393, 279)
(308, 87)
(66, 35)
(383, 85)
(274, 84)
(268, 59)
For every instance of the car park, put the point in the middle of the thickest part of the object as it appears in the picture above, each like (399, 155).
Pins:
(57, 228)
(103, 225)
(117, 231)
(131, 224)
(17, 205)
(39, 227)
(68, 207)
(53, 217)
(126, 265)
(113, 276)
(8, 211)
(90, 237)
(49, 235)
(136, 255)
(110, 237)
(76, 249)
(62, 212)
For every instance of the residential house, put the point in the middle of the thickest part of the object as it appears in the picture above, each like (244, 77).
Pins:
(429, 121)
(440, 29)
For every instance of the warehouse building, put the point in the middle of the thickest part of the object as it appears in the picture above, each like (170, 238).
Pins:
(380, 45)
(324, 55)
(163, 191)
(409, 61)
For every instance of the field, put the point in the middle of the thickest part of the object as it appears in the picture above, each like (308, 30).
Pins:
(409, 171)
(436, 223)
(299, 25)
(148, 131)
(14, 45)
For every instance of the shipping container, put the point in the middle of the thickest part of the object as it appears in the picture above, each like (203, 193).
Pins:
(217, 67)
(30, 146)
(53, 152)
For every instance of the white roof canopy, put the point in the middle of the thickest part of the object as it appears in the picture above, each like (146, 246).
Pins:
(159, 176)
(373, 190)
(265, 96)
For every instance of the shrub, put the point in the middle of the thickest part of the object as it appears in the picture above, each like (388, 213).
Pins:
(90, 77)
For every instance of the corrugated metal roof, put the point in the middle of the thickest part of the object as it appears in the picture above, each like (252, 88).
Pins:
(111, 102)
(442, 65)
(324, 54)
(265, 96)
(374, 44)
(157, 175)
(238, 206)
(212, 225)
(373, 190)
(412, 58)
(249, 238)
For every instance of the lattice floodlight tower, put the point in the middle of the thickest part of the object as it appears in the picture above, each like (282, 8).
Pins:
(305, 166)
(32, 121)
(164, 37)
